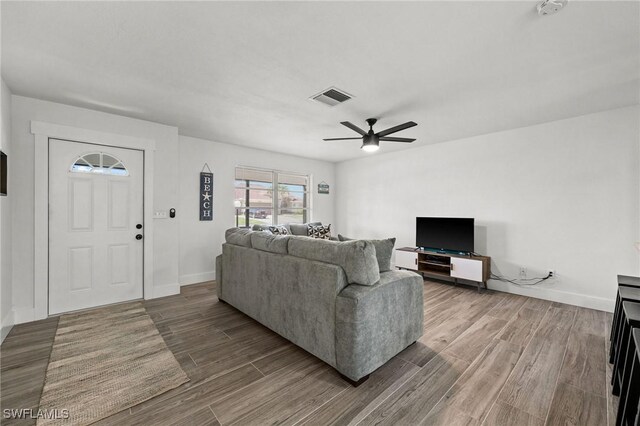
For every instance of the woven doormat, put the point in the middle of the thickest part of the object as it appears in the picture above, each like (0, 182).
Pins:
(104, 361)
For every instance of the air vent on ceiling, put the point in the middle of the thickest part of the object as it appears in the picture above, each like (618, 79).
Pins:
(331, 96)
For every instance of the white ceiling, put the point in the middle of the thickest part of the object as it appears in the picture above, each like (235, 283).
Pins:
(242, 72)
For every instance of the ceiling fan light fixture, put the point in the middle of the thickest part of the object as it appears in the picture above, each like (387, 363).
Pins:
(370, 147)
(370, 142)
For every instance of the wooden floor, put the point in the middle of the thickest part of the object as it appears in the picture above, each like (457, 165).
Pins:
(491, 358)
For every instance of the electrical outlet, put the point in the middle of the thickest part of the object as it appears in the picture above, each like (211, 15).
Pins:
(551, 273)
(523, 272)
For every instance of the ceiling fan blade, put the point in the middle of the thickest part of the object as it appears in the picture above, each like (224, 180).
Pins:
(397, 139)
(341, 139)
(396, 128)
(353, 127)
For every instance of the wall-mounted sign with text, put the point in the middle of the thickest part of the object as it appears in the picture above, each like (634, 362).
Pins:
(206, 196)
(323, 188)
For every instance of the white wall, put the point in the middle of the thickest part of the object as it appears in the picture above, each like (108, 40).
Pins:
(184, 248)
(562, 195)
(6, 308)
(201, 242)
(24, 110)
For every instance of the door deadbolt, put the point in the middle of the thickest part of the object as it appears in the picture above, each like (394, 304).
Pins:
(139, 226)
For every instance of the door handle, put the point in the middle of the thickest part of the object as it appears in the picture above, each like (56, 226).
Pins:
(139, 237)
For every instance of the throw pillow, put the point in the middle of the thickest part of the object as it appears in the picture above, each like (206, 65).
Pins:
(322, 232)
(301, 228)
(278, 230)
(384, 250)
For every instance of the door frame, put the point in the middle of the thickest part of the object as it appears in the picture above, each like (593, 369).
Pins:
(43, 132)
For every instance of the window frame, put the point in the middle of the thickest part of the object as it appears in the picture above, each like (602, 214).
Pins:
(275, 199)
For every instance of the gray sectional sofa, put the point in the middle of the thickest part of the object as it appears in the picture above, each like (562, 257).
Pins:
(328, 297)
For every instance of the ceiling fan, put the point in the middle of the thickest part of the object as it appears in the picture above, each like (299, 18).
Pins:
(371, 140)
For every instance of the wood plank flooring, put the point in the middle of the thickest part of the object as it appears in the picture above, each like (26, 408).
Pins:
(484, 359)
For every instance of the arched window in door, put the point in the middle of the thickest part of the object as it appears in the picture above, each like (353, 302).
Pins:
(99, 162)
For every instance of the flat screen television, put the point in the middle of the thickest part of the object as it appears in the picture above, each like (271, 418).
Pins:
(445, 233)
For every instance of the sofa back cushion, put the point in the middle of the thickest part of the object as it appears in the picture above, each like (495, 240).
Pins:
(384, 250)
(357, 258)
(238, 236)
(266, 241)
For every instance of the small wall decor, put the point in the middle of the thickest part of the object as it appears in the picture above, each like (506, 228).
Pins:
(323, 188)
(3, 173)
(206, 193)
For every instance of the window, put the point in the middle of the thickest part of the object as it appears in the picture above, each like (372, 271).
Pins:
(99, 162)
(269, 197)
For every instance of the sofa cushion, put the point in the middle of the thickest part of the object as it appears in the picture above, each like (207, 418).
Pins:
(301, 228)
(266, 241)
(384, 250)
(238, 236)
(322, 232)
(357, 258)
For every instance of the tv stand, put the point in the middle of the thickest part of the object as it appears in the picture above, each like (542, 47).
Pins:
(439, 264)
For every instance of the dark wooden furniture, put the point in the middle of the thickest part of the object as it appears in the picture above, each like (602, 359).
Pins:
(629, 319)
(630, 390)
(626, 281)
(625, 293)
(472, 268)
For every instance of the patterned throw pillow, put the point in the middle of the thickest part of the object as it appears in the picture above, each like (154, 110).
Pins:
(319, 231)
(278, 230)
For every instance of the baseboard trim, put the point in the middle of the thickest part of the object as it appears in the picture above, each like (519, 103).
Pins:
(22, 315)
(592, 302)
(164, 290)
(197, 278)
(7, 325)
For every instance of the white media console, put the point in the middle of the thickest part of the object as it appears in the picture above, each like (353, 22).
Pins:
(472, 268)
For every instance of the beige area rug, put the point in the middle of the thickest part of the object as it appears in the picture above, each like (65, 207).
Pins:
(104, 361)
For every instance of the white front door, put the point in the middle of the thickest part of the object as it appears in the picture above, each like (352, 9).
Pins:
(95, 225)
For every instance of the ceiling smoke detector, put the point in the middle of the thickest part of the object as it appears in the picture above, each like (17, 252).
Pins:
(331, 96)
(549, 7)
